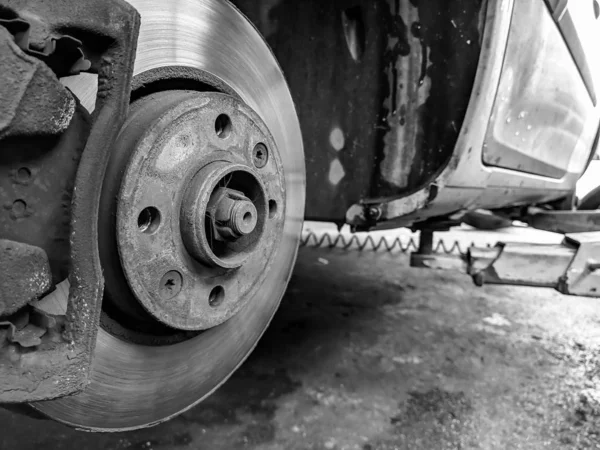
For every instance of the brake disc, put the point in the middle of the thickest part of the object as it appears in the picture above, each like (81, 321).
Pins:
(135, 382)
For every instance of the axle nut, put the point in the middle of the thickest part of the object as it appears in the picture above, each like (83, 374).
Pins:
(243, 218)
(232, 214)
(220, 225)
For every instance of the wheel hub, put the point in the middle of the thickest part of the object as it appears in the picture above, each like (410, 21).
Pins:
(194, 233)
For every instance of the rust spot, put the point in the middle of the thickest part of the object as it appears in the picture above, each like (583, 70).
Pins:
(419, 141)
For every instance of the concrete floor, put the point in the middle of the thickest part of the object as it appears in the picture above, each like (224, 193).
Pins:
(366, 353)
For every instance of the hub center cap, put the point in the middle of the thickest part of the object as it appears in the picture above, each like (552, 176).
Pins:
(200, 209)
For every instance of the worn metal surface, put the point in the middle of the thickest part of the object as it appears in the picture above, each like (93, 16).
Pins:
(210, 238)
(232, 214)
(381, 89)
(131, 385)
(25, 275)
(583, 276)
(33, 100)
(108, 32)
(171, 157)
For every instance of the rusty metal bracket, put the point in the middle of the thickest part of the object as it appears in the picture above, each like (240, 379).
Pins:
(108, 32)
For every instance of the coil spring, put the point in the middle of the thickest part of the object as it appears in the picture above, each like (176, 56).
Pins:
(368, 242)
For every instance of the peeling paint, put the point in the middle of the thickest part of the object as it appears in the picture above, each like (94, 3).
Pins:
(431, 84)
(404, 69)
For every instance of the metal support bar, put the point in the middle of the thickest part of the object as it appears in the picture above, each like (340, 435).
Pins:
(583, 275)
(520, 264)
(572, 267)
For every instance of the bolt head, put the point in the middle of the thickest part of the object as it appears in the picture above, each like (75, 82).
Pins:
(170, 285)
(260, 156)
(232, 214)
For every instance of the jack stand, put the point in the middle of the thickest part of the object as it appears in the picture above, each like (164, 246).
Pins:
(427, 258)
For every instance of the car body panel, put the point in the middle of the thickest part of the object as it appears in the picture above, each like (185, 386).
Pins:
(542, 104)
(467, 182)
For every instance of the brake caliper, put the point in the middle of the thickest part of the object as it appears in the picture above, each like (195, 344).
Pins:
(53, 154)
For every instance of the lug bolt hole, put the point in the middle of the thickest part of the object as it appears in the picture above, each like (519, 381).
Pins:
(216, 297)
(247, 218)
(223, 126)
(23, 174)
(272, 208)
(19, 209)
(149, 220)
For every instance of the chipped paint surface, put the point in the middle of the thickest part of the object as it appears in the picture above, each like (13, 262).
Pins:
(406, 55)
(432, 57)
